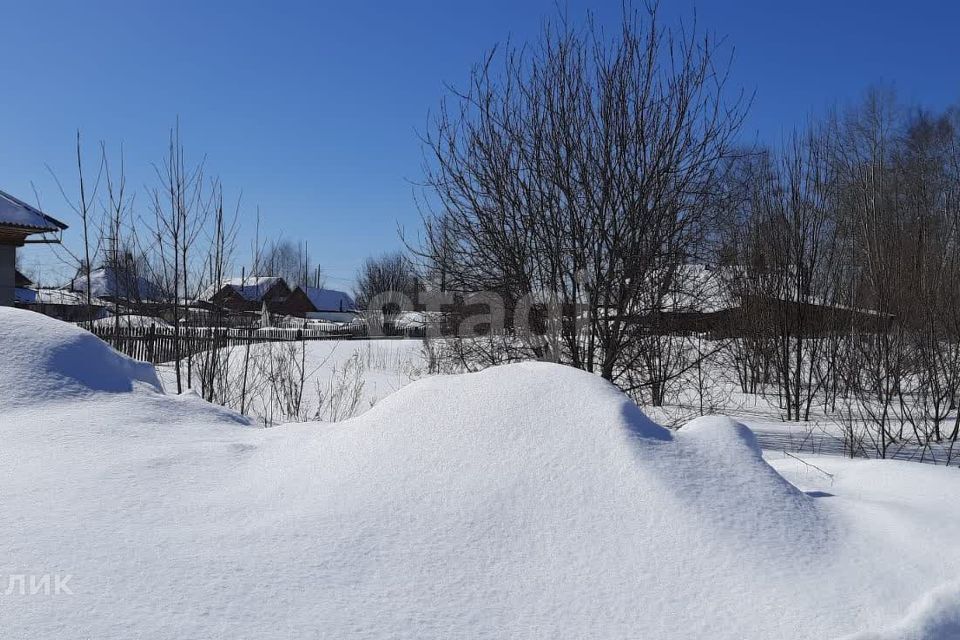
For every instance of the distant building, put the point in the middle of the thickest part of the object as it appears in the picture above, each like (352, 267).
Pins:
(324, 304)
(733, 302)
(329, 299)
(18, 220)
(22, 281)
(61, 304)
(114, 285)
(251, 294)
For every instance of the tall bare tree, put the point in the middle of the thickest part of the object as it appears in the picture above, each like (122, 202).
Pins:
(579, 176)
(285, 259)
(180, 208)
(785, 266)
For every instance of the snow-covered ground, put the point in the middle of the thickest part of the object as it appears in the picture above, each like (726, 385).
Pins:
(130, 321)
(715, 391)
(524, 501)
(340, 378)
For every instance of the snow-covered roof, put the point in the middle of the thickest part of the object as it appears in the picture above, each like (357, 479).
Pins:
(329, 299)
(25, 295)
(250, 288)
(16, 213)
(698, 288)
(105, 282)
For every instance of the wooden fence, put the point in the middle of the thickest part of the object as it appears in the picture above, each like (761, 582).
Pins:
(162, 344)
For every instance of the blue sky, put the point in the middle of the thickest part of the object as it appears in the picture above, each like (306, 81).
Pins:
(312, 108)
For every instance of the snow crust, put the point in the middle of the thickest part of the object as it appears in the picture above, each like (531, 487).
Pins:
(524, 501)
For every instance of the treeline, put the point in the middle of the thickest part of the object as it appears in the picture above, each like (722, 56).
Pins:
(591, 173)
(859, 213)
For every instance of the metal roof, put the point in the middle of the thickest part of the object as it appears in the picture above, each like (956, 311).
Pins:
(329, 299)
(16, 213)
(250, 288)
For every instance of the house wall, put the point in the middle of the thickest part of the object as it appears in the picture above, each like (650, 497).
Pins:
(229, 299)
(331, 316)
(68, 312)
(278, 298)
(8, 274)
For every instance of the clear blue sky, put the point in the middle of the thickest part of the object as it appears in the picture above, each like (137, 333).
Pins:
(312, 108)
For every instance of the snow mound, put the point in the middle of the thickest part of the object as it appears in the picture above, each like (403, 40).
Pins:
(539, 497)
(525, 501)
(936, 616)
(726, 435)
(45, 359)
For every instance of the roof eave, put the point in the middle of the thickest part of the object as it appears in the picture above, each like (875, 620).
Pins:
(30, 230)
(55, 225)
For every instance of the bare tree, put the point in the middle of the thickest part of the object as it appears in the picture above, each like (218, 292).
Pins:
(385, 286)
(180, 208)
(287, 260)
(214, 365)
(84, 208)
(580, 177)
(868, 141)
(784, 270)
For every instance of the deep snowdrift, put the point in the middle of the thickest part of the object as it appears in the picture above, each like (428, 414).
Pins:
(45, 359)
(524, 501)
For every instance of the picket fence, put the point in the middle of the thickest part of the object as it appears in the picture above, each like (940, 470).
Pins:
(158, 344)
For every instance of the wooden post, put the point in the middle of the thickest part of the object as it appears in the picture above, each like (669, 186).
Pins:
(149, 341)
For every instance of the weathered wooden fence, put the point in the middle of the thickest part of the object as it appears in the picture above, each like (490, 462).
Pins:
(162, 344)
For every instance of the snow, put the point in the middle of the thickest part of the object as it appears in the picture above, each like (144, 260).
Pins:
(903, 515)
(341, 377)
(524, 501)
(323, 317)
(935, 616)
(45, 359)
(418, 319)
(131, 321)
(105, 282)
(16, 213)
(26, 295)
(698, 288)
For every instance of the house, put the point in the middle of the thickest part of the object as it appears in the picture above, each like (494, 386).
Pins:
(324, 304)
(57, 303)
(251, 294)
(61, 304)
(733, 302)
(244, 294)
(116, 285)
(18, 220)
